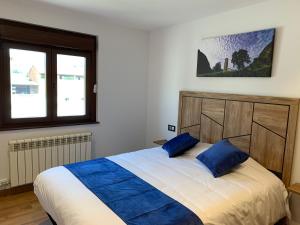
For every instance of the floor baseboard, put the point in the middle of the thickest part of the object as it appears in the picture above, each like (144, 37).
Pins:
(16, 190)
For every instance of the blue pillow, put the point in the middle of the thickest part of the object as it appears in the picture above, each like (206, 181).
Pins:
(180, 144)
(222, 157)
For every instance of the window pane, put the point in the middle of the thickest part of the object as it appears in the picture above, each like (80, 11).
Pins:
(71, 79)
(28, 83)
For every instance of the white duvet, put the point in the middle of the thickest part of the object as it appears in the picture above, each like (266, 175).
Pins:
(250, 195)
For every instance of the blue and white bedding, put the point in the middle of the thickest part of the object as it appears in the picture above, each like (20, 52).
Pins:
(249, 195)
(131, 198)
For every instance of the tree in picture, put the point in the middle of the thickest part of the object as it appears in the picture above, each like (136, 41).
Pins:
(240, 58)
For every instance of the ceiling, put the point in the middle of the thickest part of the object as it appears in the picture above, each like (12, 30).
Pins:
(151, 14)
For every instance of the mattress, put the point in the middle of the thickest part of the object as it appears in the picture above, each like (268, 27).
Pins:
(250, 195)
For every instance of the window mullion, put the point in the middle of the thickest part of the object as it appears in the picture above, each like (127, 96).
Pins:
(51, 87)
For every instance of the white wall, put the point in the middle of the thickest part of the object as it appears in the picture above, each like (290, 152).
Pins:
(122, 71)
(123, 59)
(173, 59)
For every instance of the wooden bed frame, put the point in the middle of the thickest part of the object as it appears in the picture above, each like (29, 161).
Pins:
(264, 127)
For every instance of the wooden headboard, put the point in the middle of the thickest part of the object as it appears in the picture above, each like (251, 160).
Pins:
(264, 127)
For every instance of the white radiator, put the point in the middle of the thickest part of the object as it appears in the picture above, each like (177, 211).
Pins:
(29, 157)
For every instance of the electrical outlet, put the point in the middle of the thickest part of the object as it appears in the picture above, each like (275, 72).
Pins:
(4, 182)
(171, 128)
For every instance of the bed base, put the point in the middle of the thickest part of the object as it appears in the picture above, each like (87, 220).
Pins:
(283, 221)
(51, 219)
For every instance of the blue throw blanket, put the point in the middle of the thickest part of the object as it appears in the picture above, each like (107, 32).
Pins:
(135, 201)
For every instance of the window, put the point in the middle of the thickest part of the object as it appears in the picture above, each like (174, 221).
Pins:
(27, 83)
(71, 78)
(45, 81)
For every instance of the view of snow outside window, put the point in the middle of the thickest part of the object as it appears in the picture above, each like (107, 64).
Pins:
(71, 80)
(28, 83)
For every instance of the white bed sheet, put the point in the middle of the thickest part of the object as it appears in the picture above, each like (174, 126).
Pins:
(250, 195)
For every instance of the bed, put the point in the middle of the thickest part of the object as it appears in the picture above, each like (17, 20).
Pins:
(254, 193)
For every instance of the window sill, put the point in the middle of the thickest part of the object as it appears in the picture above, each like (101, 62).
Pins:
(45, 125)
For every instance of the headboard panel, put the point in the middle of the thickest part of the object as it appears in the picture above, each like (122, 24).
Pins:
(264, 127)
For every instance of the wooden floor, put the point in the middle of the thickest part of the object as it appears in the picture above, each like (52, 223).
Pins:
(21, 209)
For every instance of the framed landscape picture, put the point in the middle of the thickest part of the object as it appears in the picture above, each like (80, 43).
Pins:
(238, 55)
